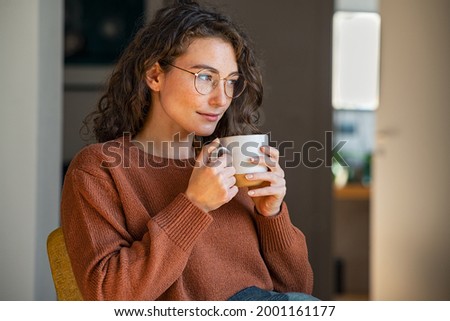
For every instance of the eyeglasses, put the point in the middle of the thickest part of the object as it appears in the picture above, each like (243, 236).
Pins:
(206, 80)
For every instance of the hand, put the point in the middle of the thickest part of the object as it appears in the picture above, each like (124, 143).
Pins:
(212, 182)
(268, 199)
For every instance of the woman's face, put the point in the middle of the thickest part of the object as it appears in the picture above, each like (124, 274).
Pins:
(178, 107)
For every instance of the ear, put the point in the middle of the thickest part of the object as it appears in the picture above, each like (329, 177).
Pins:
(154, 77)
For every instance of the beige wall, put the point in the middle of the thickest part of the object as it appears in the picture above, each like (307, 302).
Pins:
(410, 218)
(30, 127)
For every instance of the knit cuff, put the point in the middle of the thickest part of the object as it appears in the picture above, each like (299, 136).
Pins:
(275, 232)
(183, 221)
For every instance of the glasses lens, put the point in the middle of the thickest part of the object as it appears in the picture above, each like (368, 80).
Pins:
(234, 85)
(206, 81)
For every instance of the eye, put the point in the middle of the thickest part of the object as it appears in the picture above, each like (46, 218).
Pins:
(205, 76)
(232, 82)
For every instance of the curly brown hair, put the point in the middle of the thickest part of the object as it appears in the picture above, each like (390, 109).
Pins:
(127, 100)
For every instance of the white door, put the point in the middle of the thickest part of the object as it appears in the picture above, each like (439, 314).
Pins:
(410, 214)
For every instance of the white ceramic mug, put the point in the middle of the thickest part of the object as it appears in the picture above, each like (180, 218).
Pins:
(242, 148)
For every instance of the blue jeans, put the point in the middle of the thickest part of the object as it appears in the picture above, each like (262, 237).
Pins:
(254, 293)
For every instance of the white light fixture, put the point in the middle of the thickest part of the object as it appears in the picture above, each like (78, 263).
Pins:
(356, 56)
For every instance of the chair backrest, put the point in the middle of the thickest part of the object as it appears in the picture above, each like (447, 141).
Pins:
(62, 273)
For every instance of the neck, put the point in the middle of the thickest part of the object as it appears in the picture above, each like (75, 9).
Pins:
(157, 137)
(174, 146)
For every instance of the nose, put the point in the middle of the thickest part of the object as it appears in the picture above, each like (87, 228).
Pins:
(218, 97)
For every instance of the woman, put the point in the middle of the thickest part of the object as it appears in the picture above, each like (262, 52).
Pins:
(146, 214)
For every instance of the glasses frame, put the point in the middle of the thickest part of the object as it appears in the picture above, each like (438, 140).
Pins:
(196, 74)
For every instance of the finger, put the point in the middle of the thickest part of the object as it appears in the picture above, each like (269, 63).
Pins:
(203, 157)
(215, 150)
(219, 162)
(263, 160)
(233, 191)
(231, 181)
(272, 178)
(229, 171)
(227, 177)
(271, 151)
(212, 146)
(277, 191)
(270, 163)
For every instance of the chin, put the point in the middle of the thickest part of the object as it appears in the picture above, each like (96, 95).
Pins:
(204, 131)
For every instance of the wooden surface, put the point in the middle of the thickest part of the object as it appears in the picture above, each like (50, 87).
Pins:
(352, 192)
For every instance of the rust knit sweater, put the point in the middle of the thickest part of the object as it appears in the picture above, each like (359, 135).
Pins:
(132, 234)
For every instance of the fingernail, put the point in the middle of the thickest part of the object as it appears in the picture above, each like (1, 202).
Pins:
(249, 176)
(251, 193)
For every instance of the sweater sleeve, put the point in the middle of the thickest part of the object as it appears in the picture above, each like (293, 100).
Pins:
(285, 252)
(108, 263)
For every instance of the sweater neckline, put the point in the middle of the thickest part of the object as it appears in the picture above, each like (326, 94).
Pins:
(157, 161)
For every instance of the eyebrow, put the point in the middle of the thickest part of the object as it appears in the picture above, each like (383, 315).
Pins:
(203, 66)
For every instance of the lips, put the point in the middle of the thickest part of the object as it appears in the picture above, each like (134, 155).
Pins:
(210, 116)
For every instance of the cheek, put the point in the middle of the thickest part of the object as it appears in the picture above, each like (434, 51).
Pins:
(170, 95)
(181, 102)
(179, 91)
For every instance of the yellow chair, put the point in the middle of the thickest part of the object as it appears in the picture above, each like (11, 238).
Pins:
(62, 273)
